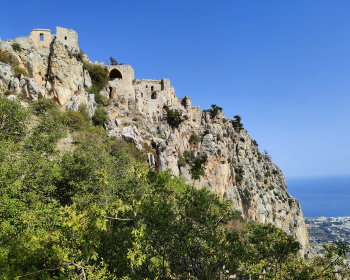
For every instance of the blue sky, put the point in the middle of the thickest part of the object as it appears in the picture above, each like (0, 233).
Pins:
(283, 66)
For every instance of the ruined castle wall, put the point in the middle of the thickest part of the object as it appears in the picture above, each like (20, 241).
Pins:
(42, 38)
(68, 36)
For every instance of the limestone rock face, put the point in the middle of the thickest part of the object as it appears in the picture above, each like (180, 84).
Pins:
(66, 74)
(235, 168)
(53, 66)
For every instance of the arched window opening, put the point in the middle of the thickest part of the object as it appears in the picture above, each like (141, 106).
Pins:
(115, 74)
(146, 86)
(41, 37)
(152, 88)
(141, 94)
(154, 95)
(65, 38)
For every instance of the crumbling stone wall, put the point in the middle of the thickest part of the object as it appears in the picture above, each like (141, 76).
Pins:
(68, 36)
(42, 38)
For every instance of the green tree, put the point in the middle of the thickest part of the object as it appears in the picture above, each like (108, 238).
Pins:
(174, 117)
(237, 123)
(13, 120)
(214, 111)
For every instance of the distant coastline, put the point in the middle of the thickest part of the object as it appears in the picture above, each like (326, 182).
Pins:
(322, 196)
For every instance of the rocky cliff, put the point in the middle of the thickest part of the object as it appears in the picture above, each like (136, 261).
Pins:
(52, 67)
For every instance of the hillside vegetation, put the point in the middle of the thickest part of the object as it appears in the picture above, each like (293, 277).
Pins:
(97, 211)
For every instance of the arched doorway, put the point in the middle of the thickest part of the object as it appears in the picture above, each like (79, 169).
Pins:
(115, 74)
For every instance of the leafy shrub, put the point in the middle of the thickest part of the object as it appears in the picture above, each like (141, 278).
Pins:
(194, 138)
(13, 118)
(97, 130)
(265, 181)
(21, 71)
(101, 99)
(238, 178)
(189, 156)
(100, 116)
(181, 161)
(76, 120)
(9, 59)
(84, 112)
(59, 116)
(207, 131)
(237, 123)
(128, 148)
(255, 144)
(239, 173)
(267, 174)
(16, 47)
(290, 202)
(242, 139)
(98, 74)
(77, 56)
(174, 117)
(214, 111)
(266, 155)
(197, 168)
(42, 105)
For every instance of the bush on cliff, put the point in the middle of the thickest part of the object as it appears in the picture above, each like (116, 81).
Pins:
(100, 116)
(98, 74)
(42, 105)
(174, 117)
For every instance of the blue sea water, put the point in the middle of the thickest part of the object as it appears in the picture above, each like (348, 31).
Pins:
(322, 196)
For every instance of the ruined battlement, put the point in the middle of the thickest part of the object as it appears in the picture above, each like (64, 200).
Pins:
(42, 38)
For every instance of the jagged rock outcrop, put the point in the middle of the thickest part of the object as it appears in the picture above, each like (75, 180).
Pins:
(54, 66)
(235, 168)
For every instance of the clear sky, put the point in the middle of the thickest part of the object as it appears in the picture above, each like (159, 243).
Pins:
(283, 66)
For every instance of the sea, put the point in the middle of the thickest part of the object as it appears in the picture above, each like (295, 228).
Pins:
(322, 196)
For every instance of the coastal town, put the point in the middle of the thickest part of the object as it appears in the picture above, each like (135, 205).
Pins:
(327, 230)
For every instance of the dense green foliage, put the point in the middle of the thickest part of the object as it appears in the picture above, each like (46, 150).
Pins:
(194, 138)
(98, 212)
(76, 120)
(99, 79)
(173, 116)
(237, 123)
(100, 116)
(16, 47)
(9, 59)
(13, 119)
(42, 105)
(84, 112)
(214, 111)
(98, 74)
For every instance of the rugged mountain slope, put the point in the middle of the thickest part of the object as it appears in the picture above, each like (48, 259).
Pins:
(235, 168)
